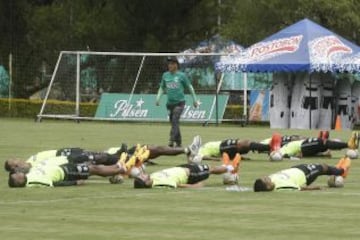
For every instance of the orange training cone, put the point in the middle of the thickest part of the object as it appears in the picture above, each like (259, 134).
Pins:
(338, 123)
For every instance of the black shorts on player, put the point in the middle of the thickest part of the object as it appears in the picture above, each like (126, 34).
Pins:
(198, 172)
(312, 171)
(312, 146)
(230, 147)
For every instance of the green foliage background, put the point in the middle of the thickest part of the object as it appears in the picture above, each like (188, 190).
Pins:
(34, 31)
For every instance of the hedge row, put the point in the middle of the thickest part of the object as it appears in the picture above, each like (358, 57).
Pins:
(25, 108)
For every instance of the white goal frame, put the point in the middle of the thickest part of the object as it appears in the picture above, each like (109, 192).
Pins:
(76, 114)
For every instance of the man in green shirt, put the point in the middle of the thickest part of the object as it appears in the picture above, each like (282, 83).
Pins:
(299, 177)
(50, 175)
(174, 82)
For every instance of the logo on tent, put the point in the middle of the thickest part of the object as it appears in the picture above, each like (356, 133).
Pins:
(324, 48)
(265, 50)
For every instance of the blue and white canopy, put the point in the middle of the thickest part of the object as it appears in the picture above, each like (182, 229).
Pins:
(303, 46)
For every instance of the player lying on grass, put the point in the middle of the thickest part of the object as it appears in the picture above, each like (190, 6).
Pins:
(190, 175)
(285, 139)
(78, 155)
(310, 147)
(73, 155)
(50, 175)
(299, 177)
(214, 150)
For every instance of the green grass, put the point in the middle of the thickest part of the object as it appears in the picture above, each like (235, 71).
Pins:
(99, 210)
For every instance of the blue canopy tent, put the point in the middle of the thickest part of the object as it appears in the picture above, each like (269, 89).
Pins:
(302, 47)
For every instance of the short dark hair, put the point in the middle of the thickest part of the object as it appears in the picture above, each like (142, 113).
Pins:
(13, 184)
(140, 183)
(7, 166)
(173, 59)
(260, 186)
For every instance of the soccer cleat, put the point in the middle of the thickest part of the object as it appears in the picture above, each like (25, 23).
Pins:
(123, 158)
(225, 159)
(353, 142)
(142, 154)
(193, 148)
(324, 135)
(131, 162)
(236, 163)
(275, 143)
(344, 163)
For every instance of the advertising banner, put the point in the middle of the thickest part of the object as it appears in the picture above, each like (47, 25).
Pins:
(141, 107)
(259, 105)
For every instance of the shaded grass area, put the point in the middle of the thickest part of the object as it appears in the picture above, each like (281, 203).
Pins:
(99, 210)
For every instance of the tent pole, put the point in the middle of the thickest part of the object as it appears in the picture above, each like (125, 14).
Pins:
(245, 96)
(10, 81)
(310, 100)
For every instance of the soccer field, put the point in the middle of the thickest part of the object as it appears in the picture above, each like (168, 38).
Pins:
(99, 210)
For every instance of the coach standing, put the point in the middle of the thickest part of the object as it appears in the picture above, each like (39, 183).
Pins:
(173, 82)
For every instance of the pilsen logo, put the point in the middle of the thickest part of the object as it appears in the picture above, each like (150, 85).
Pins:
(125, 110)
(273, 48)
(326, 47)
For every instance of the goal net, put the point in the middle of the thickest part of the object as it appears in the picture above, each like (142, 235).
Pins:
(123, 86)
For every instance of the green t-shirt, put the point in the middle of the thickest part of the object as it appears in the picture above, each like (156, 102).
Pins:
(289, 179)
(174, 84)
(210, 149)
(44, 175)
(41, 156)
(170, 177)
(292, 149)
(112, 150)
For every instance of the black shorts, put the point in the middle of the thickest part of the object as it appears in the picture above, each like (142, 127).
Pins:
(75, 171)
(230, 147)
(312, 171)
(286, 139)
(312, 146)
(198, 172)
(69, 152)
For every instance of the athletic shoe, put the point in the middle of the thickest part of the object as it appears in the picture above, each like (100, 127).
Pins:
(275, 143)
(142, 154)
(353, 142)
(194, 147)
(344, 163)
(236, 163)
(225, 159)
(324, 135)
(123, 158)
(131, 162)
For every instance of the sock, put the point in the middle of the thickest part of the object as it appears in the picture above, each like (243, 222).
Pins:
(229, 168)
(111, 159)
(334, 171)
(254, 146)
(334, 145)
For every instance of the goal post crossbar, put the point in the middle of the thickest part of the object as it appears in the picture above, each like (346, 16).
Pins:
(140, 54)
(75, 114)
